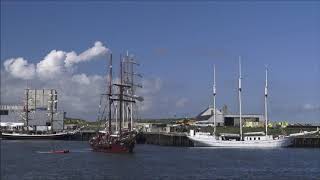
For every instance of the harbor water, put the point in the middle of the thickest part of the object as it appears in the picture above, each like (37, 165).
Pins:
(31, 160)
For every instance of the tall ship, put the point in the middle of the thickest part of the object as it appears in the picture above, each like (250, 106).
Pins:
(37, 118)
(118, 135)
(248, 140)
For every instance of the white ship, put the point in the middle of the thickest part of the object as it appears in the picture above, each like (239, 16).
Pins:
(247, 140)
(262, 141)
(39, 107)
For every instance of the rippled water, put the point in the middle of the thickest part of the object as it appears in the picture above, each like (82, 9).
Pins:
(29, 160)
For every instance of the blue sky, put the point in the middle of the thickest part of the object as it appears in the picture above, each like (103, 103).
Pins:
(177, 45)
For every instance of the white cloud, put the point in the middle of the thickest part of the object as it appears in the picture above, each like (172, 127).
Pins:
(52, 65)
(19, 68)
(97, 50)
(81, 79)
(151, 86)
(146, 104)
(78, 93)
(182, 102)
(311, 107)
(149, 91)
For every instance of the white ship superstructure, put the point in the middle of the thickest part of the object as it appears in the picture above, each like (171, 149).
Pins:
(205, 140)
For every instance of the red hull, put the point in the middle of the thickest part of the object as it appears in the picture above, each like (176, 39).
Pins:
(114, 148)
(113, 144)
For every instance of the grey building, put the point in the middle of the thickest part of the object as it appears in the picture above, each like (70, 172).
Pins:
(228, 119)
(206, 117)
(41, 105)
(39, 119)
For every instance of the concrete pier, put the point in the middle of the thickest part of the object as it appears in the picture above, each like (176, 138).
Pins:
(83, 135)
(166, 139)
(181, 139)
(313, 142)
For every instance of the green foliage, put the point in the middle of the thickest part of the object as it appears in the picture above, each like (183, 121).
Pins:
(89, 125)
(74, 121)
(163, 120)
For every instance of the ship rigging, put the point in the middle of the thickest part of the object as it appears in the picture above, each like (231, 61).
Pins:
(121, 99)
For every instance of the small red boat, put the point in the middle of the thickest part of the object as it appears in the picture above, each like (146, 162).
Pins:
(60, 151)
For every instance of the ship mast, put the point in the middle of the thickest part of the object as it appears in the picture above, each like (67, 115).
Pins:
(240, 108)
(110, 92)
(131, 94)
(129, 81)
(27, 109)
(51, 109)
(265, 102)
(126, 92)
(214, 100)
(53, 106)
(121, 96)
(116, 115)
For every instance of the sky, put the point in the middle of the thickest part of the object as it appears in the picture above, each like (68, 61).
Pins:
(65, 45)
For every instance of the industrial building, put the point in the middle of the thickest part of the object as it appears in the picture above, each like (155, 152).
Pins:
(38, 113)
(224, 118)
(39, 120)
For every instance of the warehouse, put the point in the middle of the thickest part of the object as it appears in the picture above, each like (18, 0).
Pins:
(224, 118)
(37, 114)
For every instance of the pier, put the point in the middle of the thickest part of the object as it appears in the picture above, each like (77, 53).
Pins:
(312, 142)
(83, 135)
(181, 139)
(165, 139)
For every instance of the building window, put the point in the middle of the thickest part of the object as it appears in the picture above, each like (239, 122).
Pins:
(258, 138)
(250, 139)
(254, 138)
(4, 112)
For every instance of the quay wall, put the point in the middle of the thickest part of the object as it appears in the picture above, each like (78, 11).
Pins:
(83, 135)
(181, 139)
(165, 139)
(307, 142)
